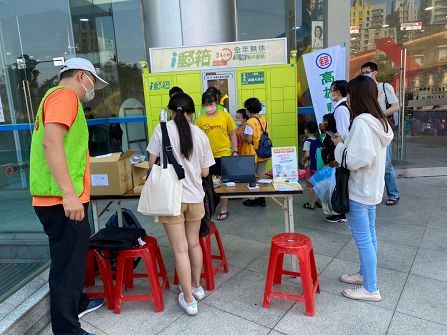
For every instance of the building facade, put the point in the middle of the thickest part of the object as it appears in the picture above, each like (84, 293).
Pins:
(116, 34)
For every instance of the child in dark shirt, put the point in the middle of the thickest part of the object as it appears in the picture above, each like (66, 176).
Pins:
(327, 153)
(310, 146)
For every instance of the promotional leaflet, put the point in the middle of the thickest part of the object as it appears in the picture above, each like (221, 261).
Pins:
(285, 169)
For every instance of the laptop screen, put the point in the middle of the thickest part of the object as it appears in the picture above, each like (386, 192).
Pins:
(238, 169)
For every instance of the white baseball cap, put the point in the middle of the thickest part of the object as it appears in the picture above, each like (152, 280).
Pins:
(84, 64)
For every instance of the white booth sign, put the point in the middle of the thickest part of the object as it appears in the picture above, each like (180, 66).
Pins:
(234, 54)
(322, 68)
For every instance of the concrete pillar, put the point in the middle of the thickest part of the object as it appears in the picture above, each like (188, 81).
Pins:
(170, 23)
(337, 21)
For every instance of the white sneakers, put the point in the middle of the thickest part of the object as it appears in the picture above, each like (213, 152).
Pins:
(358, 292)
(355, 278)
(191, 308)
(197, 292)
(361, 293)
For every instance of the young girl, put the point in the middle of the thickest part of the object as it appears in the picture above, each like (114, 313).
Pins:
(241, 119)
(220, 128)
(365, 152)
(192, 150)
(311, 144)
(218, 94)
(327, 154)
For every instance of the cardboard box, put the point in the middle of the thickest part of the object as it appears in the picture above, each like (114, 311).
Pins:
(139, 175)
(111, 174)
(138, 189)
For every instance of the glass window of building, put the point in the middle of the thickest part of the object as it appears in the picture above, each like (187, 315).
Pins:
(406, 39)
(310, 36)
(261, 19)
(309, 25)
(108, 33)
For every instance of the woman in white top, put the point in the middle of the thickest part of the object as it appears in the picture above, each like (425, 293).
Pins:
(192, 150)
(365, 148)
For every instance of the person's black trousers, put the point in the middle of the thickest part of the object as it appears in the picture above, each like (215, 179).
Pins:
(68, 249)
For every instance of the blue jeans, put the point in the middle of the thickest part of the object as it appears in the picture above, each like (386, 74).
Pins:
(390, 175)
(362, 221)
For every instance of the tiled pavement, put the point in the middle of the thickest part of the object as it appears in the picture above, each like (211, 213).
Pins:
(412, 275)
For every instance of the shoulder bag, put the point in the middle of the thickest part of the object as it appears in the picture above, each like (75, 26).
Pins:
(390, 118)
(162, 192)
(340, 195)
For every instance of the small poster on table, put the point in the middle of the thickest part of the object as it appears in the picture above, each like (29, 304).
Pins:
(285, 168)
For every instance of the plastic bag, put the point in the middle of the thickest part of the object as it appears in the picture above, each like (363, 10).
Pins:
(323, 184)
(304, 173)
(320, 163)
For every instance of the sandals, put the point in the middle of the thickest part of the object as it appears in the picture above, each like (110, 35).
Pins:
(392, 202)
(308, 205)
(223, 216)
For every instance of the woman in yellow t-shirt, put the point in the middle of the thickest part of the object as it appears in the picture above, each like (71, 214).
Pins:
(220, 128)
(252, 135)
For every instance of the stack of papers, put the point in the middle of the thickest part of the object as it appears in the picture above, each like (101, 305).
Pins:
(287, 186)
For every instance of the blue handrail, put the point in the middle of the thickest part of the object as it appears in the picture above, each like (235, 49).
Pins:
(90, 122)
(112, 120)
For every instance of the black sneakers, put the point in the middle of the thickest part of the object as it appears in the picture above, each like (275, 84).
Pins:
(93, 305)
(336, 218)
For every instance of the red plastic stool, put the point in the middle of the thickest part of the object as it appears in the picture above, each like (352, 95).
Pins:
(208, 271)
(151, 255)
(91, 273)
(300, 246)
(105, 272)
(129, 275)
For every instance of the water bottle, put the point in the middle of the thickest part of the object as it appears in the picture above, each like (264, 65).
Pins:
(163, 115)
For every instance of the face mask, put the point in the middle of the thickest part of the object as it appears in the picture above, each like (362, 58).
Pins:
(238, 123)
(210, 109)
(332, 97)
(368, 75)
(89, 95)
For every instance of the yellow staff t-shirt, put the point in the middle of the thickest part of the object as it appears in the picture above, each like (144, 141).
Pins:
(217, 128)
(253, 127)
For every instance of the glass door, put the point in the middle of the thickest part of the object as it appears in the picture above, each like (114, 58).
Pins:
(423, 96)
(34, 40)
(31, 56)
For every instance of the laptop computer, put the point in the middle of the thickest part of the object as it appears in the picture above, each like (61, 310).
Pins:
(238, 169)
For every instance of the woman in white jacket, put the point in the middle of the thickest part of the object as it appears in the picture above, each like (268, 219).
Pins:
(365, 148)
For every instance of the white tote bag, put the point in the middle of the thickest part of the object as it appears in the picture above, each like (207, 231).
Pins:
(162, 193)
